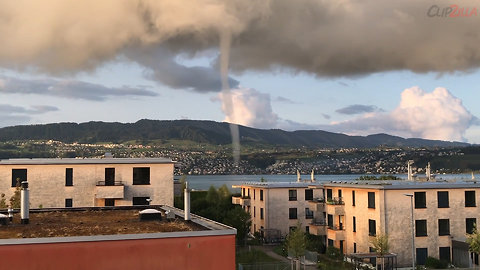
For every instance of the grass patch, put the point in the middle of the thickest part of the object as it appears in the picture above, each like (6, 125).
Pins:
(253, 256)
(326, 263)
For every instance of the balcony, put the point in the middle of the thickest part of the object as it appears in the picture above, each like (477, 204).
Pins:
(243, 201)
(336, 232)
(335, 207)
(109, 190)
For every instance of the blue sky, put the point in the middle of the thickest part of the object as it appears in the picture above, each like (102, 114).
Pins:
(327, 67)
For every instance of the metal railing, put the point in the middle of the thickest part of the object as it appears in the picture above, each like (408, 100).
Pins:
(318, 200)
(336, 227)
(104, 183)
(318, 222)
(336, 201)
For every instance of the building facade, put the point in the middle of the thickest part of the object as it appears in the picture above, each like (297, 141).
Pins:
(73, 182)
(350, 214)
(276, 207)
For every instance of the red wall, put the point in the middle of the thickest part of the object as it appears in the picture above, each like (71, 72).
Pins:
(204, 252)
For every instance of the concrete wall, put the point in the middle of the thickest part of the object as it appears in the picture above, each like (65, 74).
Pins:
(201, 252)
(47, 184)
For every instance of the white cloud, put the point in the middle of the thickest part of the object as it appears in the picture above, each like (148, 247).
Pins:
(437, 115)
(248, 107)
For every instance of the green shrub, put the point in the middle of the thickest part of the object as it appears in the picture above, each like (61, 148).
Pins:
(334, 253)
(435, 263)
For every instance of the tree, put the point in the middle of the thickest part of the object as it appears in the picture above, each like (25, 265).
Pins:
(3, 203)
(297, 242)
(240, 220)
(473, 241)
(15, 199)
(381, 246)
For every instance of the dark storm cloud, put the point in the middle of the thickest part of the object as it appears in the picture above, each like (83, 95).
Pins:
(357, 108)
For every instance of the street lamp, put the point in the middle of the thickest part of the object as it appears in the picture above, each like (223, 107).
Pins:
(413, 231)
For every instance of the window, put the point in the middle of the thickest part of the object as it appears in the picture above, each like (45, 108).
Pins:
(308, 194)
(373, 261)
(353, 197)
(109, 176)
(371, 200)
(307, 229)
(470, 199)
(18, 175)
(292, 195)
(109, 202)
(261, 195)
(354, 224)
(329, 194)
(254, 211)
(330, 221)
(444, 253)
(254, 194)
(248, 191)
(442, 198)
(341, 246)
(141, 176)
(292, 213)
(421, 255)
(354, 247)
(330, 242)
(261, 213)
(372, 227)
(421, 227)
(339, 194)
(243, 192)
(68, 177)
(68, 202)
(443, 227)
(470, 224)
(308, 213)
(141, 200)
(420, 200)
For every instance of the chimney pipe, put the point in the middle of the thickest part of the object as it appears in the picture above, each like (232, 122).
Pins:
(187, 202)
(24, 203)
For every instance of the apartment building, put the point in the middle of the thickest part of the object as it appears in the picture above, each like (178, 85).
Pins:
(351, 214)
(74, 182)
(277, 207)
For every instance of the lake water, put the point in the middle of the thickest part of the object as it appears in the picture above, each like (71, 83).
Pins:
(203, 182)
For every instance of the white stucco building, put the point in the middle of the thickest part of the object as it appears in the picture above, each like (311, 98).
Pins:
(74, 182)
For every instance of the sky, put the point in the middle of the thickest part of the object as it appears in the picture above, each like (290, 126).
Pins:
(405, 68)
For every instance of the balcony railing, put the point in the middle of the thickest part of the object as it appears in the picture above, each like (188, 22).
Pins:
(336, 201)
(318, 222)
(318, 200)
(104, 183)
(336, 227)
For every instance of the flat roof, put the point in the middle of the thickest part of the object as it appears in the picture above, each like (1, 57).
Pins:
(276, 184)
(373, 184)
(106, 223)
(108, 160)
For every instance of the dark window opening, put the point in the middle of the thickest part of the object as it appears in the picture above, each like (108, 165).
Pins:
(68, 177)
(141, 200)
(68, 202)
(444, 254)
(470, 199)
(329, 194)
(18, 176)
(339, 193)
(308, 194)
(141, 176)
(353, 197)
(420, 200)
(254, 194)
(261, 195)
(373, 261)
(341, 246)
(422, 254)
(307, 229)
(109, 202)
(330, 221)
(292, 195)
(470, 225)
(354, 247)
(442, 197)
(371, 200)
(372, 227)
(354, 224)
(308, 213)
(292, 213)
(443, 227)
(421, 227)
(109, 177)
(261, 213)
(330, 242)
(254, 211)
